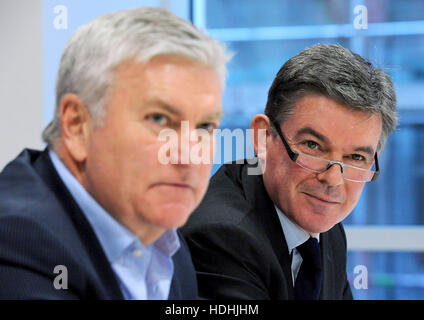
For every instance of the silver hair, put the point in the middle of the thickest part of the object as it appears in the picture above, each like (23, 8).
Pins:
(97, 48)
(339, 74)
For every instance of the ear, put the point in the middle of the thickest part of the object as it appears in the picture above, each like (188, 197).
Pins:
(76, 126)
(261, 127)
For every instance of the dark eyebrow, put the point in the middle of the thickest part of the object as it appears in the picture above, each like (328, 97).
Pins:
(308, 130)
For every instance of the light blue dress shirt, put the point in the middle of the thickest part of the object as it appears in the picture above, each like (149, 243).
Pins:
(143, 272)
(295, 236)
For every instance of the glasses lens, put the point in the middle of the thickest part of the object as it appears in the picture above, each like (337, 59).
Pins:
(320, 165)
(356, 174)
(312, 163)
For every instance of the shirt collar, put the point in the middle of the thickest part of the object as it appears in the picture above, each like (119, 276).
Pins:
(168, 243)
(294, 234)
(114, 237)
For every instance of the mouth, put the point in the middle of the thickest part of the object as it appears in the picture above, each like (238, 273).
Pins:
(173, 185)
(322, 200)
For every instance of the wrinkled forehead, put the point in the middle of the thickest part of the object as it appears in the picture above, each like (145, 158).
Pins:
(334, 123)
(181, 87)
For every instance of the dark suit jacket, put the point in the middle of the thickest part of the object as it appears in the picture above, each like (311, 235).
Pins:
(239, 249)
(41, 226)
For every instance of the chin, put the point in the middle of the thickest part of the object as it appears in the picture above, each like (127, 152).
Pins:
(317, 223)
(171, 216)
(327, 225)
(322, 229)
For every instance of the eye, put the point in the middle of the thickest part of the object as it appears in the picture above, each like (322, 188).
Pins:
(208, 126)
(312, 144)
(358, 157)
(158, 118)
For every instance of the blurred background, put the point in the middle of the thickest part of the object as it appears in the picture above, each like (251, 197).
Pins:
(385, 231)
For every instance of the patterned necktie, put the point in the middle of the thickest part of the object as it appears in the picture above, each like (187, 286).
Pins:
(308, 281)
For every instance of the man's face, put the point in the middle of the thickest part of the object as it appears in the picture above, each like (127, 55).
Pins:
(324, 128)
(122, 170)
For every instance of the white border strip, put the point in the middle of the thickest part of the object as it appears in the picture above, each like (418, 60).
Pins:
(385, 238)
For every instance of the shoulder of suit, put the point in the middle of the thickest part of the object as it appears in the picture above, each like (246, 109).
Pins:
(337, 237)
(225, 201)
(30, 210)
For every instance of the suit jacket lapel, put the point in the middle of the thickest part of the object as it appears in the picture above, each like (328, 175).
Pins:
(175, 289)
(46, 170)
(327, 287)
(262, 204)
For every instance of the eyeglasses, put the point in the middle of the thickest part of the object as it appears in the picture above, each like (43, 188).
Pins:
(319, 165)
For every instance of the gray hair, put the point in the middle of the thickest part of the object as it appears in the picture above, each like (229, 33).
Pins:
(339, 74)
(97, 48)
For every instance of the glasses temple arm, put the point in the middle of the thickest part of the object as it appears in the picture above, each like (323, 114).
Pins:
(377, 168)
(292, 154)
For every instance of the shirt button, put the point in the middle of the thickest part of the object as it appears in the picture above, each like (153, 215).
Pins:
(137, 253)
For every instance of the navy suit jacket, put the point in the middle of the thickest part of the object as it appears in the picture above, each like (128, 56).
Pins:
(238, 245)
(41, 227)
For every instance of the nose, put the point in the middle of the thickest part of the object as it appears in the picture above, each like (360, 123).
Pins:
(202, 146)
(194, 146)
(333, 176)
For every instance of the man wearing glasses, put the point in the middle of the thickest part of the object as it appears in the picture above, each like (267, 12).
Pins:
(278, 235)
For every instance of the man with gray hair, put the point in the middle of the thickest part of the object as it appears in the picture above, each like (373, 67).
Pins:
(95, 215)
(279, 235)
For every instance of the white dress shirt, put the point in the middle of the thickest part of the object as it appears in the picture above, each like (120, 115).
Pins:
(143, 272)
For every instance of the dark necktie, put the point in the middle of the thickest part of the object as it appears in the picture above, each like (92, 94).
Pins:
(308, 281)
